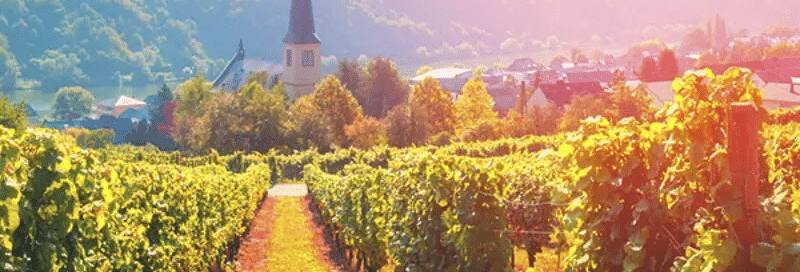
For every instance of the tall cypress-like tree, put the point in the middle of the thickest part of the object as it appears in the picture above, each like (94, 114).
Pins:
(668, 65)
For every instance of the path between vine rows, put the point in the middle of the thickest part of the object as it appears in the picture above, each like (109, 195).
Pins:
(283, 237)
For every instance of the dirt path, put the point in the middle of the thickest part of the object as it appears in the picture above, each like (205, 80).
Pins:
(283, 237)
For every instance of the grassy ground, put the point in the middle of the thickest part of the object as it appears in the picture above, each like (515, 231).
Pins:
(294, 245)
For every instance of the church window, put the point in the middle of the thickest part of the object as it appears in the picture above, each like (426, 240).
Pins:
(308, 58)
(288, 57)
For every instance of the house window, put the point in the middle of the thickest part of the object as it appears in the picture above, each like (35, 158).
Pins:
(308, 58)
(288, 57)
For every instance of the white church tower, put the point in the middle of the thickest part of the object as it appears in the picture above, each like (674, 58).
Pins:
(301, 49)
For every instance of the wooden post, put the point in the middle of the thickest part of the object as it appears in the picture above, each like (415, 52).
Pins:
(744, 128)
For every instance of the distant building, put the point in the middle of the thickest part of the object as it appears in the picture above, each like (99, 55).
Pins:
(239, 68)
(115, 107)
(301, 51)
(450, 79)
(523, 65)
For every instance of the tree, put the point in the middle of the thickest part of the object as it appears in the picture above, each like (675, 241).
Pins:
(156, 110)
(349, 74)
(557, 61)
(366, 132)
(96, 139)
(475, 106)
(251, 119)
(720, 38)
(623, 101)
(707, 58)
(424, 69)
(382, 88)
(577, 56)
(337, 106)
(696, 40)
(190, 106)
(668, 65)
(398, 126)
(13, 116)
(649, 70)
(191, 95)
(431, 110)
(72, 103)
(262, 78)
(308, 124)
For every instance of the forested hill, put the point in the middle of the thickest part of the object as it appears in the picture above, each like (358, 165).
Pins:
(50, 43)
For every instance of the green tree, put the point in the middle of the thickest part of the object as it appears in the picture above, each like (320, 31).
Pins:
(382, 88)
(337, 106)
(95, 139)
(431, 110)
(308, 124)
(163, 97)
(191, 95)
(72, 102)
(13, 115)
(190, 99)
(251, 119)
(261, 77)
(475, 106)
(668, 65)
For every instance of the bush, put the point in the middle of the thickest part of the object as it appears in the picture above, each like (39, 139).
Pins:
(95, 139)
(366, 132)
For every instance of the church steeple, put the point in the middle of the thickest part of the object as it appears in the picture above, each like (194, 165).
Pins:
(301, 24)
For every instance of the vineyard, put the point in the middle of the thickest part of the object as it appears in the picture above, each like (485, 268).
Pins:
(611, 196)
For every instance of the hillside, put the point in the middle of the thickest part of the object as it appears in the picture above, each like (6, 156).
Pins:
(48, 44)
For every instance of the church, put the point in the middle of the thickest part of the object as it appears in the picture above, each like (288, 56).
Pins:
(300, 69)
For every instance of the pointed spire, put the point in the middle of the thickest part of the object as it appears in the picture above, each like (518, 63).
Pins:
(301, 24)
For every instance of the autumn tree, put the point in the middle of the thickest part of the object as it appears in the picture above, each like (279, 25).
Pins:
(382, 88)
(540, 120)
(72, 103)
(398, 126)
(474, 107)
(707, 58)
(337, 106)
(366, 132)
(308, 124)
(431, 110)
(622, 102)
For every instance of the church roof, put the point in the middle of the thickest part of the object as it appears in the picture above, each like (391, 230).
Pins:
(301, 24)
(236, 61)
